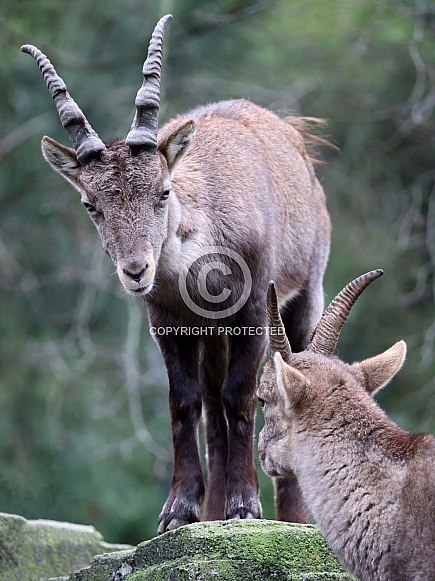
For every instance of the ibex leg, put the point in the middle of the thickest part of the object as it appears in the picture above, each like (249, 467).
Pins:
(186, 494)
(212, 377)
(239, 397)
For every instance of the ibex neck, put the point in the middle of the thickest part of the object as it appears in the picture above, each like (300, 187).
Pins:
(171, 256)
(354, 487)
(175, 217)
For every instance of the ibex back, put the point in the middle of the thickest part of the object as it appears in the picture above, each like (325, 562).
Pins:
(369, 484)
(229, 180)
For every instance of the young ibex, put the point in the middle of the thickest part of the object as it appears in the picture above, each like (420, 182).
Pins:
(227, 180)
(369, 485)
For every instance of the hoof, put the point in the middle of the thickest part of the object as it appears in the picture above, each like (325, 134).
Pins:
(171, 524)
(243, 512)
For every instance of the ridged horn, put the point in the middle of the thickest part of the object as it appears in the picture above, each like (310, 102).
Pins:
(143, 132)
(84, 139)
(277, 337)
(325, 336)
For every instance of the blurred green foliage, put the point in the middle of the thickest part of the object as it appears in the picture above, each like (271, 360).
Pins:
(84, 424)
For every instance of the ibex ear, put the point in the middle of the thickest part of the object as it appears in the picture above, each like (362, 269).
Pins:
(375, 372)
(176, 144)
(293, 386)
(63, 160)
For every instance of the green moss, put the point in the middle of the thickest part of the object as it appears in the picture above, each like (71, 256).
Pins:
(230, 550)
(35, 550)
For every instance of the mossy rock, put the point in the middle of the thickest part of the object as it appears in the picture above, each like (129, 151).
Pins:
(34, 550)
(233, 550)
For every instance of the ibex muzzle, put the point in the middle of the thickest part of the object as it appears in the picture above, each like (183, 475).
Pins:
(227, 192)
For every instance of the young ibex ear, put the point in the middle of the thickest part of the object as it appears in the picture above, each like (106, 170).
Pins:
(63, 160)
(294, 387)
(375, 372)
(176, 144)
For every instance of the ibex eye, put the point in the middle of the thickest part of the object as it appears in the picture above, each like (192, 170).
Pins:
(165, 195)
(89, 207)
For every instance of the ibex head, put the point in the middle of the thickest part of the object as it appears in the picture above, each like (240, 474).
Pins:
(314, 391)
(126, 184)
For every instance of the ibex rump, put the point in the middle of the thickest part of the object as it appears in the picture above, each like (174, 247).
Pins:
(230, 175)
(369, 485)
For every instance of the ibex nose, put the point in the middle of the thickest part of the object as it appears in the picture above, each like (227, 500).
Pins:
(135, 273)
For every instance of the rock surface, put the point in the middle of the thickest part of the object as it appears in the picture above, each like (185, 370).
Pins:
(34, 550)
(244, 550)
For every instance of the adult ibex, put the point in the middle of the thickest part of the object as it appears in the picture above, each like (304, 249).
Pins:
(230, 181)
(369, 485)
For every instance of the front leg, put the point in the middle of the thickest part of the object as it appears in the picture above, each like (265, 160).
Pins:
(212, 374)
(239, 397)
(186, 494)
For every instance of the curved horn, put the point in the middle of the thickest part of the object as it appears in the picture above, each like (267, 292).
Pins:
(143, 132)
(85, 141)
(325, 335)
(277, 337)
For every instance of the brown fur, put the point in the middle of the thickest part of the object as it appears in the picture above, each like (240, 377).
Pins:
(369, 485)
(234, 175)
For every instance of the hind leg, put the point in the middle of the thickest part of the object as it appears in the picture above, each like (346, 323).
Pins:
(300, 317)
(289, 506)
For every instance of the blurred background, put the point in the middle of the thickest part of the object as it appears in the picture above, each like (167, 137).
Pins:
(84, 421)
